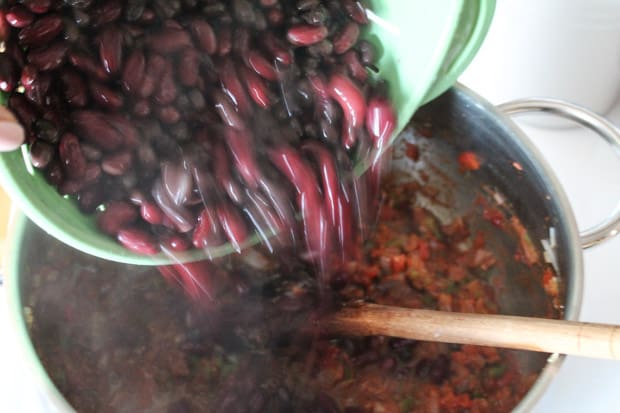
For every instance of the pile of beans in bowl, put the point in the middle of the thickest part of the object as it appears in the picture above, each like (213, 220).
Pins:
(193, 123)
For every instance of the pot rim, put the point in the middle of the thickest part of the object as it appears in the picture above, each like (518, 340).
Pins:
(19, 331)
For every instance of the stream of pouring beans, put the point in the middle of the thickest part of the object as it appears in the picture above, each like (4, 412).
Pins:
(190, 124)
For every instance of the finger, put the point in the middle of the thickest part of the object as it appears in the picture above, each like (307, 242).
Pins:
(11, 133)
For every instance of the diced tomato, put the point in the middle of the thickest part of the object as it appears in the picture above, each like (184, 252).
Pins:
(469, 161)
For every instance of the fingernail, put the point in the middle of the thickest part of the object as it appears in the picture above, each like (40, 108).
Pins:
(11, 136)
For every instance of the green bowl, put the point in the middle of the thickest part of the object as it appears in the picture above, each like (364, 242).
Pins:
(425, 46)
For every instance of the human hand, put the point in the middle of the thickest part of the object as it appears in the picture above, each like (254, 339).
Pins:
(11, 133)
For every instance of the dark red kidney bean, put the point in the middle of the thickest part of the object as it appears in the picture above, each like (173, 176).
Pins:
(41, 154)
(38, 91)
(151, 213)
(241, 146)
(353, 104)
(261, 66)
(89, 199)
(177, 182)
(176, 243)
(117, 164)
(125, 127)
(46, 130)
(105, 96)
(107, 12)
(41, 31)
(169, 40)
(71, 157)
(258, 90)
(356, 70)
(166, 92)
(224, 40)
(277, 48)
(306, 35)
(38, 6)
(180, 216)
(90, 152)
(273, 231)
(71, 186)
(16, 52)
(18, 16)
(241, 42)
(244, 12)
(232, 86)
(9, 73)
(204, 35)
(226, 110)
(133, 72)
(329, 176)
(168, 114)
(268, 3)
(92, 173)
(281, 203)
(356, 11)
(24, 111)
(154, 70)
(346, 38)
(49, 57)
(54, 174)
(5, 27)
(74, 88)
(380, 122)
(111, 49)
(197, 281)
(117, 215)
(93, 127)
(223, 176)
(142, 108)
(233, 226)
(189, 68)
(88, 65)
(207, 233)
(275, 17)
(137, 241)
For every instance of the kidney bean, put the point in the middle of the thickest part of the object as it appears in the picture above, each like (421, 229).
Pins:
(196, 279)
(46, 131)
(111, 49)
(329, 176)
(207, 232)
(105, 96)
(306, 35)
(93, 127)
(233, 226)
(41, 31)
(226, 110)
(74, 87)
(9, 73)
(169, 40)
(232, 86)
(89, 199)
(142, 108)
(87, 64)
(107, 12)
(179, 215)
(54, 174)
(221, 170)
(19, 16)
(153, 73)
(177, 182)
(380, 122)
(168, 114)
(24, 111)
(166, 91)
(353, 104)
(275, 17)
(134, 71)
(151, 213)
(240, 144)
(48, 57)
(41, 154)
(189, 68)
(352, 61)
(130, 134)
(256, 87)
(224, 37)
(134, 9)
(261, 66)
(91, 153)
(137, 241)
(356, 11)
(71, 156)
(117, 164)
(204, 35)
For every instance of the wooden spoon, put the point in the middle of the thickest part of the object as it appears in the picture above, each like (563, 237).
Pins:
(521, 333)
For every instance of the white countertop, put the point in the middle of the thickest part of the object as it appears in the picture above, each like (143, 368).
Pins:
(589, 172)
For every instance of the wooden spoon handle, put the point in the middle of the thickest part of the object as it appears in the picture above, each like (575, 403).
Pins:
(522, 333)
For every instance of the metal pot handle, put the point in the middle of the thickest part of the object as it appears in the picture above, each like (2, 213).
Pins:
(610, 226)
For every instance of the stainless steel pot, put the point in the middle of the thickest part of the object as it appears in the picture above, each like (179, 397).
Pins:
(513, 176)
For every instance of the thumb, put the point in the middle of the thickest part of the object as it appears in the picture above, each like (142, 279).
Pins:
(11, 132)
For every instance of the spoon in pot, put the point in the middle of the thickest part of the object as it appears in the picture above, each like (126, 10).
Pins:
(513, 332)
(423, 47)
